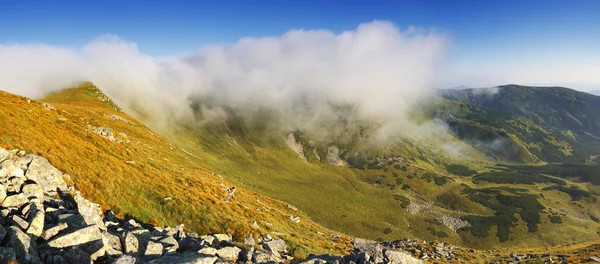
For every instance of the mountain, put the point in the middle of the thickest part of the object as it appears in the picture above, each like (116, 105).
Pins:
(119, 163)
(464, 174)
(570, 119)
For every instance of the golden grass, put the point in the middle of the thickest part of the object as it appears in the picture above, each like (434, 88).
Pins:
(133, 178)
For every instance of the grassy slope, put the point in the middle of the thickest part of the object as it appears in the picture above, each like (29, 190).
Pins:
(100, 170)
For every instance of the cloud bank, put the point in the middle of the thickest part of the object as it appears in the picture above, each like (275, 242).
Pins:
(378, 70)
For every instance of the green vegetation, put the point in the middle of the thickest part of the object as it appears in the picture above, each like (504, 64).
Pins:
(555, 219)
(575, 193)
(460, 170)
(513, 177)
(505, 207)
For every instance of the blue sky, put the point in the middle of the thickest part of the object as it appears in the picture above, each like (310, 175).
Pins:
(483, 33)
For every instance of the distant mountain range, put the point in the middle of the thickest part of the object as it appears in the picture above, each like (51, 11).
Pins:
(595, 92)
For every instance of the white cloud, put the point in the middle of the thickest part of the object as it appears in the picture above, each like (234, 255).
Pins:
(376, 67)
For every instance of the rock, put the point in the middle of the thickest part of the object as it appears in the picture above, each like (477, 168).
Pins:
(48, 106)
(2, 193)
(23, 162)
(32, 190)
(14, 184)
(126, 259)
(51, 232)
(249, 240)
(207, 240)
(262, 257)
(77, 237)
(398, 257)
(132, 245)
(186, 257)
(372, 248)
(25, 249)
(229, 253)
(189, 243)
(96, 248)
(19, 222)
(275, 246)
(7, 255)
(169, 242)
(77, 255)
(153, 251)
(75, 221)
(90, 211)
(9, 168)
(112, 241)
(4, 155)
(208, 251)
(36, 221)
(220, 238)
(44, 174)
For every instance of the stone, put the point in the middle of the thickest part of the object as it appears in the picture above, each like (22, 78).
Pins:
(113, 241)
(399, 257)
(219, 238)
(2, 193)
(131, 244)
(372, 248)
(169, 242)
(26, 250)
(19, 222)
(23, 162)
(32, 190)
(275, 246)
(9, 168)
(14, 184)
(44, 174)
(153, 251)
(77, 255)
(90, 211)
(127, 259)
(262, 257)
(7, 255)
(4, 154)
(208, 251)
(207, 240)
(249, 240)
(75, 221)
(229, 253)
(186, 257)
(189, 243)
(36, 221)
(77, 237)
(53, 231)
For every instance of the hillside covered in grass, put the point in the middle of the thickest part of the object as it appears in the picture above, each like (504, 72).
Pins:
(119, 163)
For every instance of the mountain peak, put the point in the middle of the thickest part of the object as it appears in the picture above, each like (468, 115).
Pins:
(83, 94)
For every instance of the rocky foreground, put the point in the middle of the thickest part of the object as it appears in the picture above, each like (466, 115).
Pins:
(45, 220)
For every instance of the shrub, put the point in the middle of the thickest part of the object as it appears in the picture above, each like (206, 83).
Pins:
(555, 219)
(460, 170)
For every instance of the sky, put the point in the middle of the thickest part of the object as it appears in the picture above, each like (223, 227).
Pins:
(489, 42)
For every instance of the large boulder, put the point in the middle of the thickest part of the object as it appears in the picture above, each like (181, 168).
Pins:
(77, 237)
(399, 257)
(153, 250)
(277, 246)
(229, 253)
(91, 212)
(36, 221)
(25, 249)
(44, 174)
(371, 248)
